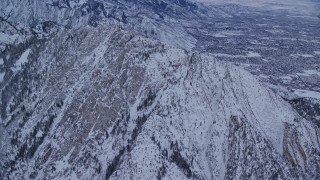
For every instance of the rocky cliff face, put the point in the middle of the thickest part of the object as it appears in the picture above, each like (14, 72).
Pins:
(106, 103)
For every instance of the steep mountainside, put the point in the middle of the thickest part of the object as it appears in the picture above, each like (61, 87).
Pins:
(105, 103)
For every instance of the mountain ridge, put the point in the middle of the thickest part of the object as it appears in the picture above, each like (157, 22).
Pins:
(109, 101)
(156, 108)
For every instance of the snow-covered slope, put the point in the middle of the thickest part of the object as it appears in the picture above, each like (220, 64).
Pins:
(104, 103)
(159, 19)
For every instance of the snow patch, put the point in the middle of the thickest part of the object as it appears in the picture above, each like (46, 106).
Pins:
(227, 33)
(1, 77)
(253, 54)
(8, 39)
(309, 73)
(275, 31)
(286, 78)
(307, 93)
(22, 60)
(302, 55)
(39, 134)
(250, 54)
(219, 35)
(1, 61)
(62, 165)
(264, 76)
(227, 55)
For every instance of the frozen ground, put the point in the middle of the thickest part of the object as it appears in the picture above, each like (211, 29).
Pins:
(301, 7)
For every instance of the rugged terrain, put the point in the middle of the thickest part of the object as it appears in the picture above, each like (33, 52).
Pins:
(89, 95)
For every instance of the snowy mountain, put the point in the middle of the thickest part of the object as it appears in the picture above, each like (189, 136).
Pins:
(151, 18)
(123, 90)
